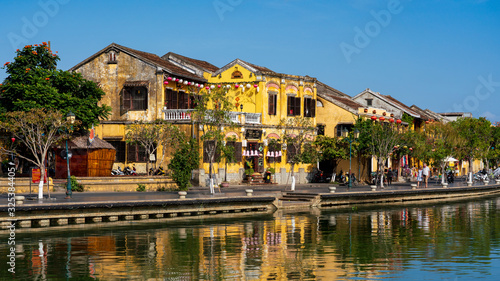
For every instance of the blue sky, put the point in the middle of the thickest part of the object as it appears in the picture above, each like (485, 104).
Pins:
(443, 55)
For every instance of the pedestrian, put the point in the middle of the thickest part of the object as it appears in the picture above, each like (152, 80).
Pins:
(426, 173)
(419, 176)
(389, 176)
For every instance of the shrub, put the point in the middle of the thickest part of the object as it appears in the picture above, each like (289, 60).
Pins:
(141, 187)
(76, 186)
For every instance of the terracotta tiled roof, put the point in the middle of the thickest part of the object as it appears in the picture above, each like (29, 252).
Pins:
(203, 64)
(82, 142)
(149, 58)
(170, 67)
(348, 102)
(401, 105)
(259, 68)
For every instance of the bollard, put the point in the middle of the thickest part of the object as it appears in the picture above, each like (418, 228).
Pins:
(413, 186)
(444, 185)
(373, 187)
(249, 192)
(486, 182)
(497, 181)
(332, 189)
(182, 194)
(19, 199)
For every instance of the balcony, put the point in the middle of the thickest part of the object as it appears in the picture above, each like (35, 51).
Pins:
(177, 114)
(185, 114)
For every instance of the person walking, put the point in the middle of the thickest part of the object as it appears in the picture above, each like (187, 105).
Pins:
(419, 176)
(426, 173)
(389, 176)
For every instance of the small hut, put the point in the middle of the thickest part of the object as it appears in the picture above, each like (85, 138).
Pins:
(88, 159)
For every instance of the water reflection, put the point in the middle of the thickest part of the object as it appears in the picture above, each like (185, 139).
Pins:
(454, 240)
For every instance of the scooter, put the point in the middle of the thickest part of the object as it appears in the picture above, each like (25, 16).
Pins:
(129, 171)
(117, 172)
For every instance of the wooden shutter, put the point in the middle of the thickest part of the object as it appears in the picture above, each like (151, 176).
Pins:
(272, 104)
(313, 108)
(126, 99)
(296, 110)
(238, 151)
(289, 106)
(290, 152)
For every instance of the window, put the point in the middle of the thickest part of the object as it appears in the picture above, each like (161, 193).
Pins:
(112, 57)
(120, 150)
(341, 127)
(369, 102)
(236, 75)
(209, 146)
(272, 104)
(309, 107)
(179, 100)
(136, 153)
(237, 150)
(274, 147)
(135, 98)
(321, 130)
(293, 106)
(290, 152)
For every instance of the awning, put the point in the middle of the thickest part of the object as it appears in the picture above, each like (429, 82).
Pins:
(450, 159)
(136, 84)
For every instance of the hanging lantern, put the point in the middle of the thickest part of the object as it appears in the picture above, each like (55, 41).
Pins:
(258, 89)
(244, 153)
(180, 81)
(398, 121)
(381, 118)
(185, 82)
(279, 154)
(255, 85)
(256, 153)
(13, 139)
(169, 78)
(218, 86)
(176, 79)
(272, 153)
(268, 153)
(189, 83)
(391, 120)
(236, 86)
(165, 82)
(248, 86)
(427, 122)
(208, 88)
(212, 86)
(374, 118)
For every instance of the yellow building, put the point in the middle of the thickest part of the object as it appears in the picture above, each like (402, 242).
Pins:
(141, 86)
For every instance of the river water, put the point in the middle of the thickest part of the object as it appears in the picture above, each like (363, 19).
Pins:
(440, 241)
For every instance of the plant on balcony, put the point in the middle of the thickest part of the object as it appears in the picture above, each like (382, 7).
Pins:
(213, 116)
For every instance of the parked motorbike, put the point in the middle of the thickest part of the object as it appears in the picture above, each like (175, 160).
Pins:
(129, 171)
(117, 172)
(158, 172)
(320, 176)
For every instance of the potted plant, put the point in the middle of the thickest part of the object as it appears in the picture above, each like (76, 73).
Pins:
(249, 170)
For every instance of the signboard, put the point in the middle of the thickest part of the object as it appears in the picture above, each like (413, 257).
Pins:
(91, 135)
(253, 134)
(35, 176)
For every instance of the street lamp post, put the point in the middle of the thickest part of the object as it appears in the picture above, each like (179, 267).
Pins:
(70, 117)
(350, 139)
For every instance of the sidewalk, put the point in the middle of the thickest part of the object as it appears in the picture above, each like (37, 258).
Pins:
(204, 192)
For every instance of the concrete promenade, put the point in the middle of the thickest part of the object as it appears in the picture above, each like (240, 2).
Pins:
(115, 207)
(203, 192)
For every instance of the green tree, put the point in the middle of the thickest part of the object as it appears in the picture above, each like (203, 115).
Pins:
(440, 141)
(476, 133)
(493, 155)
(298, 136)
(381, 138)
(213, 115)
(152, 135)
(38, 130)
(184, 161)
(331, 149)
(33, 81)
